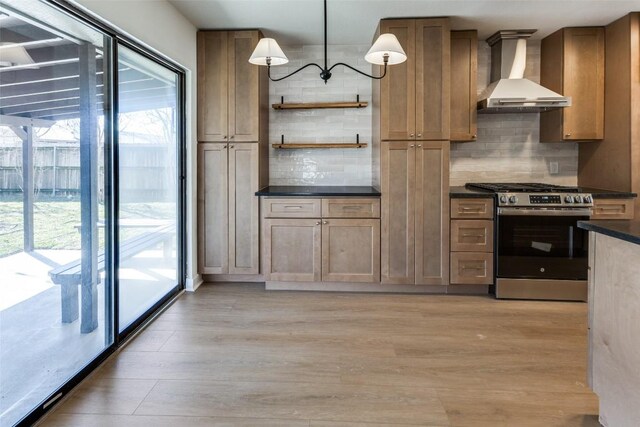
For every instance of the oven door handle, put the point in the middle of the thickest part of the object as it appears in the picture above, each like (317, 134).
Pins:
(544, 212)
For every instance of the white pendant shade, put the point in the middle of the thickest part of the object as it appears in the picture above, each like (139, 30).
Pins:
(268, 48)
(14, 54)
(386, 44)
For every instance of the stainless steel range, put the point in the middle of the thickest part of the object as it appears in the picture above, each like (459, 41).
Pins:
(540, 251)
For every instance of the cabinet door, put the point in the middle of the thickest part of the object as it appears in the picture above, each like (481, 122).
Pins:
(432, 213)
(351, 250)
(213, 209)
(397, 176)
(243, 209)
(244, 102)
(398, 88)
(432, 79)
(584, 83)
(292, 249)
(212, 86)
(464, 82)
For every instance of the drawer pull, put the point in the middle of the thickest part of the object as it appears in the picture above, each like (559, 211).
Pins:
(293, 207)
(473, 235)
(470, 267)
(612, 209)
(352, 208)
(476, 209)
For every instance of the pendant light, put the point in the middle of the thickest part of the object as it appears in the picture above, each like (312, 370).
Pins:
(385, 51)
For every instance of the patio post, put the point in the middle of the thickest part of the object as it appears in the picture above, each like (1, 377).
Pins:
(27, 187)
(88, 186)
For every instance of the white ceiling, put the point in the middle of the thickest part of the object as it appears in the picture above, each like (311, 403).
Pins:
(354, 21)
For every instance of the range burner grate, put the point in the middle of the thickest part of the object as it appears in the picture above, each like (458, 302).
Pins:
(527, 187)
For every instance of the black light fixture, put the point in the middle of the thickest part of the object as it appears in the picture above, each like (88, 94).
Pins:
(385, 51)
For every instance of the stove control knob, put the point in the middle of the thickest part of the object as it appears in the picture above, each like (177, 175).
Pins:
(513, 199)
(588, 199)
(568, 199)
(578, 199)
(503, 199)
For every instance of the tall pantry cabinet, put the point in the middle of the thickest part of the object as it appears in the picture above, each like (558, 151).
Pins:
(411, 131)
(232, 152)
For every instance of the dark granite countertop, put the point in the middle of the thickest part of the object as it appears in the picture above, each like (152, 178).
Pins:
(318, 191)
(599, 193)
(623, 230)
(465, 193)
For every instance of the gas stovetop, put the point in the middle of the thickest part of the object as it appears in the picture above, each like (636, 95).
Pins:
(536, 195)
(526, 187)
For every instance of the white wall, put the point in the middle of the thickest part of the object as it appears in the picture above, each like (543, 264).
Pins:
(335, 166)
(159, 26)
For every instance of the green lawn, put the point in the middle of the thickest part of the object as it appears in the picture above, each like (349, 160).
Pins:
(55, 223)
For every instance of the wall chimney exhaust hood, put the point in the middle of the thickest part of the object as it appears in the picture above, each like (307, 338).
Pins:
(510, 92)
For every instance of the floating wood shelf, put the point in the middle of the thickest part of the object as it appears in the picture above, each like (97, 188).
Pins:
(315, 105)
(293, 145)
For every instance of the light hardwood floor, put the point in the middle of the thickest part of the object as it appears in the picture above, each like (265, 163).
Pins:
(232, 355)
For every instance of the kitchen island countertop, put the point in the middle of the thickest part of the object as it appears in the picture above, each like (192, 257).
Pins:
(621, 229)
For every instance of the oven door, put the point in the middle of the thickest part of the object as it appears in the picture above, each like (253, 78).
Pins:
(542, 244)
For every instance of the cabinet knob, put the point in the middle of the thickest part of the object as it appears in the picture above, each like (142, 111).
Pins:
(224, 137)
(474, 136)
(567, 135)
(419, 145)
(231, 137)
(231, 146)
(224, 146)
(319, 222)
(412, 135)
(419, 135)
(412, 145)
(325, 222)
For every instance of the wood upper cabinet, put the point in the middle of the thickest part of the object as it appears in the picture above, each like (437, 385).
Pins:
(232, 93)
(414, 96)
(573, 64)
(464, 85)
(228, 208)
(415, 212)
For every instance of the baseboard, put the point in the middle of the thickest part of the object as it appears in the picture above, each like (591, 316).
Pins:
(377, 287)
(468, 289)
(193, 283)
(227, 278)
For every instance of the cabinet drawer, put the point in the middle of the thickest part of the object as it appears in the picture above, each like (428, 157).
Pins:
(612, 209)
(351, 208)
(291, 208)
(471, 268)
(472, 208)
(471, 235)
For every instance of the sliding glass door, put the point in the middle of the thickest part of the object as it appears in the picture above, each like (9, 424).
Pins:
(148, 165)
(91, 198)
(55, 285)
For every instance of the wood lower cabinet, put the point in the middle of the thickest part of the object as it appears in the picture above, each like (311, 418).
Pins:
(412, 102)
(472, 241)
(292, 249)
(573, 64)
(613, 209)
(464, 86)
(320, 248)
(228, 214)
(351, 250)
(415, 214)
